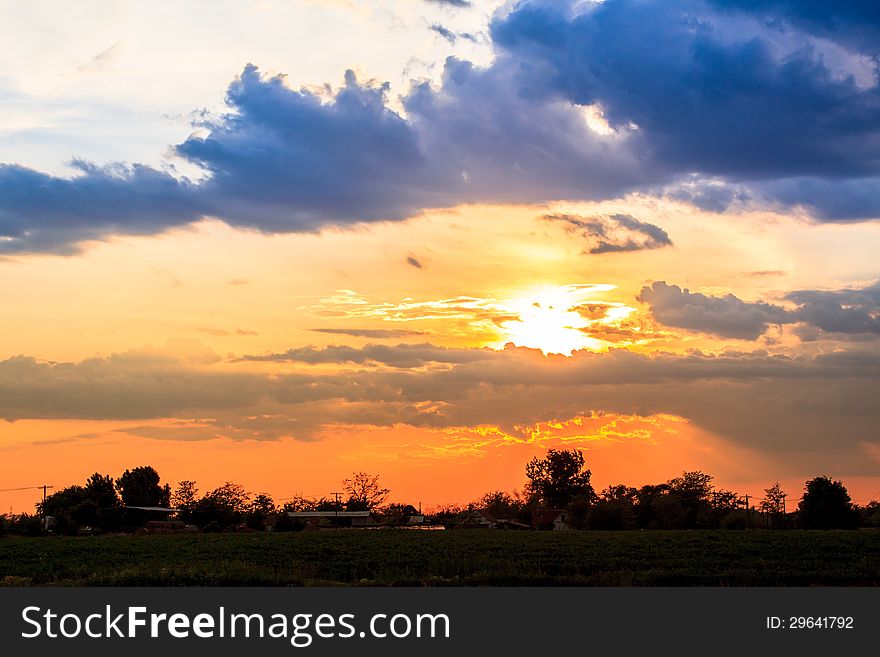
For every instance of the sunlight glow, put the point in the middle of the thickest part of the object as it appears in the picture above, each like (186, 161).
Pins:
(548, 319)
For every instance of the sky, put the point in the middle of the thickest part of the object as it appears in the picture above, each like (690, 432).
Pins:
(280, 242)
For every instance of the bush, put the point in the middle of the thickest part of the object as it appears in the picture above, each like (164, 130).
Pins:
(826, 504)
(25, 525)
(285, 523)
(736, 519)
(612, 514)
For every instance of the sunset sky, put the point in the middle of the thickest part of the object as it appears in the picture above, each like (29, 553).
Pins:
(279, 242)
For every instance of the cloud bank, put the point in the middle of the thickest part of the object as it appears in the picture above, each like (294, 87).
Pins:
(838, 313)
(775, 102)
(774, 404)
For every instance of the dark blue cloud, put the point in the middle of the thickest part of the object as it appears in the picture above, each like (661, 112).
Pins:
(42, 213)
(705, 98)
(714, 102)
(833, 199)
(283, 160)
(853, 23)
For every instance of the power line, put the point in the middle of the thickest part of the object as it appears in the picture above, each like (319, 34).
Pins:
(9, 490)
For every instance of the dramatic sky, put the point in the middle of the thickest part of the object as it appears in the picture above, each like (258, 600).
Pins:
(278, 242)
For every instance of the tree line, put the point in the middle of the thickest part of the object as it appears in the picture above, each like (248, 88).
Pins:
(559, 483)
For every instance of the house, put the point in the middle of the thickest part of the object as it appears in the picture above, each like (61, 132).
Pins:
(555, 519)
(476, 519)
(483, 519)
(411, 515)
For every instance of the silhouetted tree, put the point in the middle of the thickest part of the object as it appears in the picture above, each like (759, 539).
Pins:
(615, 509)
(870, 514)
(773, 507)
(446, 515)
(260, 509)
(395, 514)
(326, 504)
(504, 505)
(140, 487)
(101, 490)
(301, 503)
(558, 478)
(364, 491)
(826, 505)
(646, 502)
(692, 492)
(93, 505)
(72, 507)
(25, 525)
(774, 500)
(223, 507)
(185, 499)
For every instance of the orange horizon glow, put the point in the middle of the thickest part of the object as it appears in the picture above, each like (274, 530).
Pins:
(428, 467)
(196, 301)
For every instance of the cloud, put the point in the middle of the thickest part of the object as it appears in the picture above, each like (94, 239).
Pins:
(413, 262)
(401, 355)
(822, 406)
(350, 305)
(104, 59)
(42, 213)
(451, 36)
(716, 97)
(371, 333)
(725, 316)
(614, 233)
(853, 23)
(834, 199)
(223, 332)
(451, 3)
(724, 108)
(835, 313)
(840, 311)
(446, 33)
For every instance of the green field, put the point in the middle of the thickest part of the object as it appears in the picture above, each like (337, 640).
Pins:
(468, 557)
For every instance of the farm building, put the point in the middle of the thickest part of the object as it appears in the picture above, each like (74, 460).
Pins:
(334, 519)
(483, 519)
(412, 516)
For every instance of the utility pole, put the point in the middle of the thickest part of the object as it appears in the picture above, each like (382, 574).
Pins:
(44, 487)
(748, 514)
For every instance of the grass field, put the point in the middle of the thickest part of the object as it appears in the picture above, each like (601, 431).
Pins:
(469, 557)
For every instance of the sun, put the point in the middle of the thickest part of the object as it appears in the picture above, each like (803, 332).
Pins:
(547, 318)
